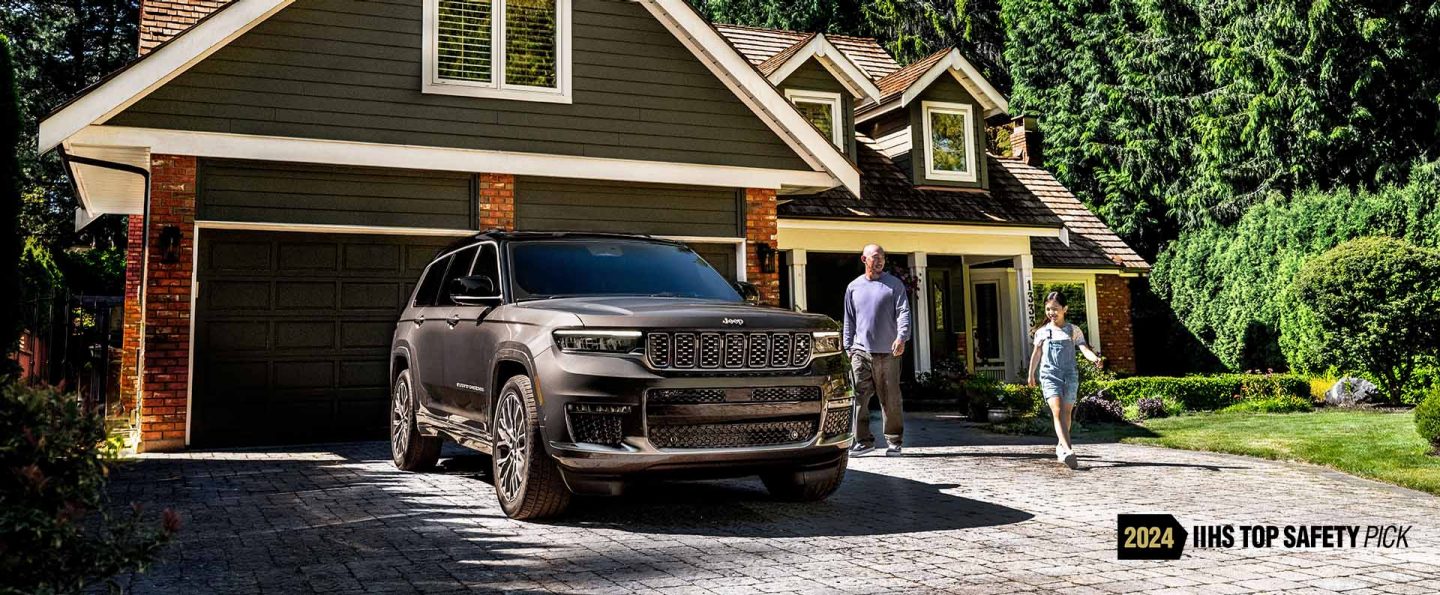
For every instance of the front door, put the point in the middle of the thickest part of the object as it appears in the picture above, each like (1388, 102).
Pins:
(989, 353)
(468, 357)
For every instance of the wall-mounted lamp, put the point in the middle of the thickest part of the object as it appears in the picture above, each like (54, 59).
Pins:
(766, 255)
(169, 244)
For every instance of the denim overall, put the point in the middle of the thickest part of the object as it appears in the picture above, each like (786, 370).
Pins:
(1058, 374)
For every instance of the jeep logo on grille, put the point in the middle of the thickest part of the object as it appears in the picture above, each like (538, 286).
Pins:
(733, 321)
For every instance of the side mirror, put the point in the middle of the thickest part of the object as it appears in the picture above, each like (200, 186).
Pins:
(475, 290)
(748, 292)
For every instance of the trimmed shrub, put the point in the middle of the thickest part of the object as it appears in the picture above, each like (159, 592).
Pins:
(1099, 408)
(1427, 419)
(1271, 404)
(1151, 407)
(1203, 393)
(56, 529)
(1368, 305)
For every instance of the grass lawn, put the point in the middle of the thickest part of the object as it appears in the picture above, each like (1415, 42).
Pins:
(1381, 446)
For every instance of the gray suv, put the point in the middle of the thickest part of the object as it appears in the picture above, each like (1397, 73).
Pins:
(579, 361)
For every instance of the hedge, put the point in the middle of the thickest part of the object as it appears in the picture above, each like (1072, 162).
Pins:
(1205, 393)
(1427, 419)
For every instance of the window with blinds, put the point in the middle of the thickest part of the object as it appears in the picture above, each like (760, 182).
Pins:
(498, 48)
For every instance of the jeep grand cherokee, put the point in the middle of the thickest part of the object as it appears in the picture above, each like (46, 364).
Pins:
(579, 361)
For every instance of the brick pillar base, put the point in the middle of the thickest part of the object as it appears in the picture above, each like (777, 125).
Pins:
(166, 352)
(497, 201)
(123, 418)
(1117, 337)
(760, 224)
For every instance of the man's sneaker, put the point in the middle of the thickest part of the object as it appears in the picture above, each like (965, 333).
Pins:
(893, 450)
(861, 448)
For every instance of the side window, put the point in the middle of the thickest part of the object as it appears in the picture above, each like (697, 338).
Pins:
(488, 264)
(459, 267)
(430, 284)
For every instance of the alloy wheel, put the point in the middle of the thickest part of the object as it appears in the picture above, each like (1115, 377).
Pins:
(512, 438)
(402, 416)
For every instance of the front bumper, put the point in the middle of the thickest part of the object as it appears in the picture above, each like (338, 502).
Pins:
(762, 421)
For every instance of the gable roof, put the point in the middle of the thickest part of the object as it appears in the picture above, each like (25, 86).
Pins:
(160, 20)
(901, 87)
(759, 44)
(1020, 196)
(817, 46)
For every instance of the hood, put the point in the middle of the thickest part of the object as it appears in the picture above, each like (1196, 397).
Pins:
(657, 312)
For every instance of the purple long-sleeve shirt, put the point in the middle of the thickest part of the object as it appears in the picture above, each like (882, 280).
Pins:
(876, 312)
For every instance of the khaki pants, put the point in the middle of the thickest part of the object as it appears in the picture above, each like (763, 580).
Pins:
(877, 374)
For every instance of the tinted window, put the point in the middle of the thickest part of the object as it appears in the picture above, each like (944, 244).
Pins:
(488, 263)
(459, 267)
(430, 285)
(613, 267)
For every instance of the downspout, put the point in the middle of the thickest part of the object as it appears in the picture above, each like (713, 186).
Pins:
(144, 174)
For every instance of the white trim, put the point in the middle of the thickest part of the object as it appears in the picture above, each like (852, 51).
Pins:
(920, 311)
(799, 299)
(971, 173)
(1024, 284)
(968, 76)
(163, 64)
(828, 99)
(332, 152)
(1096, 271)
(738, 242)
(839, 65)
(726, 63)
(320, 228)
(928, 228)
(1092, 299)
(190, 354)
(497, 88)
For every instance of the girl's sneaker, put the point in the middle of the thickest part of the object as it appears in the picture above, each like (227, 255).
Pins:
(1071, 460)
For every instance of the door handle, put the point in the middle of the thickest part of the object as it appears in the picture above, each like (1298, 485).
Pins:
(453, 320)
(419, 320)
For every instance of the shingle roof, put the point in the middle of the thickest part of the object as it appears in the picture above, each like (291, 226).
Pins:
(1092, 243)
(758, 45)
(779, 59)
(889, 195)
(894, 84)
(161, 20)
(1020, 195)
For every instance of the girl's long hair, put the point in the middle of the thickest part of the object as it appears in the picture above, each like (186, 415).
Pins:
(1059, 300)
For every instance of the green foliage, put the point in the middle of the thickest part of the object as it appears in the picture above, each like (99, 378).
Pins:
(1206, 393)
(1368, 305)
(56, 529)
(1230, 285)
(1272, 404)
(10, 240)
(1427, 419)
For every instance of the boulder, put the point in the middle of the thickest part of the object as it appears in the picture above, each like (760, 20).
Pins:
(1351, 391)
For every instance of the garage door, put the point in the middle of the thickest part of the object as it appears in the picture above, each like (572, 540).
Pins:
(292, 333)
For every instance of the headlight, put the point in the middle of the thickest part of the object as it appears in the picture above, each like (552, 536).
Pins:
(597, 341)
(826, 343)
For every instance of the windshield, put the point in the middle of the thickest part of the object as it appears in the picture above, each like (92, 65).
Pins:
(590, 267)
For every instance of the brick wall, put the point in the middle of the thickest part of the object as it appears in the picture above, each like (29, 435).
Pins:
(497, 201)
(1117, 337)
(130, 336)
(162, 19)
(760, 222)
(167, 306)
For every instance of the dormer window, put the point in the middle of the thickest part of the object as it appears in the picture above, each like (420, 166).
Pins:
(823, 111)
(949, 141)
(503, 49)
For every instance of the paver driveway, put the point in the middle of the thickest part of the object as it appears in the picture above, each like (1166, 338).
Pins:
(963, 511)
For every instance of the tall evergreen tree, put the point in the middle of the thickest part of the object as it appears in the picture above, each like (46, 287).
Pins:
(10, 240)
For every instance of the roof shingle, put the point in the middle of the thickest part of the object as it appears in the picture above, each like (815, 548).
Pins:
(759, 44)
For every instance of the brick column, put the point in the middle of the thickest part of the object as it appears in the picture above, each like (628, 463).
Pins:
(166, 352)
(1117, 338)
(125, 413)
(497, 201)
(760, 223)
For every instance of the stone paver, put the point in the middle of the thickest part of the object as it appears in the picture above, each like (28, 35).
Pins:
(962, 512)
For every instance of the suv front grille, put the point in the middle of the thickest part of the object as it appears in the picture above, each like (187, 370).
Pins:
(733, 435)
(838, 421)
(596, 428)
(721, 351)
(769, 394)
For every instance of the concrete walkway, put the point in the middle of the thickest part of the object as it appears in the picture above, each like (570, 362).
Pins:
(963, 511)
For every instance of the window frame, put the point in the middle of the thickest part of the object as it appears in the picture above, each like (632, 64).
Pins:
(971, 159)
(497, 88)
(827, 98)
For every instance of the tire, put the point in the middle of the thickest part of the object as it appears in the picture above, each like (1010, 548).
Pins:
(806, 485)
(410, 450)
(527, 481)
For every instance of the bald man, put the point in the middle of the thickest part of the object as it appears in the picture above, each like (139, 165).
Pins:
(877, 325)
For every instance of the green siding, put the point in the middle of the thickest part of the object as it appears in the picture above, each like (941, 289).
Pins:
(947, 89)
(559, 204)
(321, 194)
(346, 70)
(811, 76)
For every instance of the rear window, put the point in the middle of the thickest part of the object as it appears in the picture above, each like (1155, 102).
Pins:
(545, 269)
(430, 283)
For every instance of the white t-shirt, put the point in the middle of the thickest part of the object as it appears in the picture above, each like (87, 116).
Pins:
(1051, 332)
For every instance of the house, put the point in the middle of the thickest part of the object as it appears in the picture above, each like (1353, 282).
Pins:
(289, 166)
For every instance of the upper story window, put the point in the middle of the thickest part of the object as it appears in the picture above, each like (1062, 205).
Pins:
(504, 49)
(949, 141)
(823, 110)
